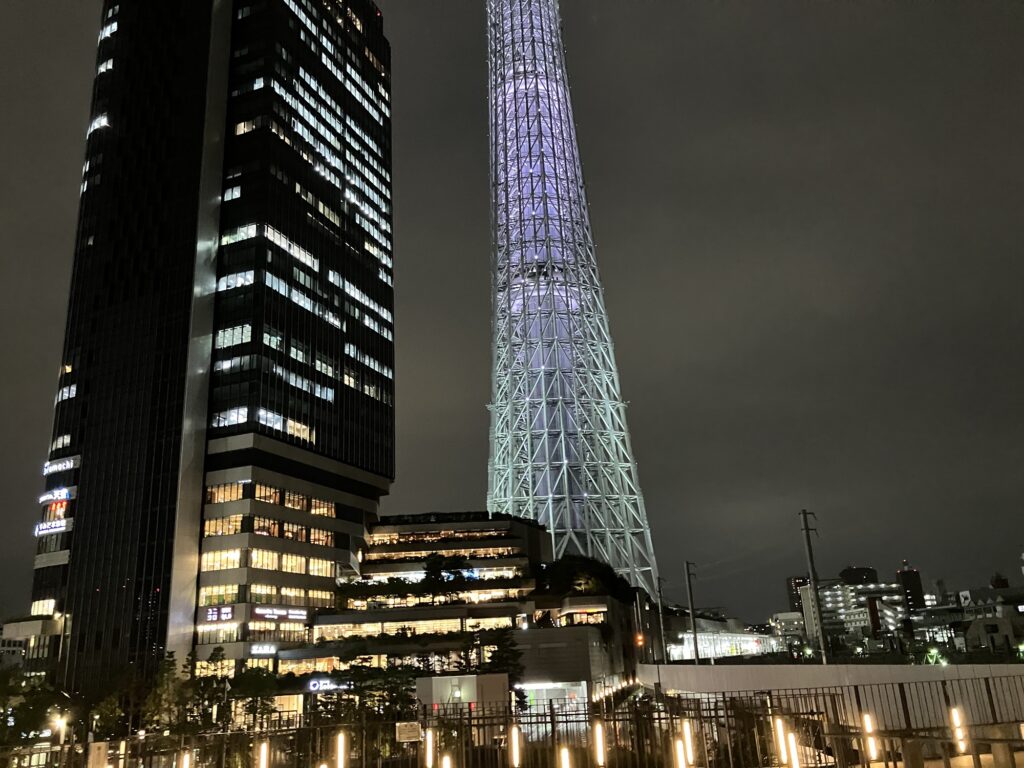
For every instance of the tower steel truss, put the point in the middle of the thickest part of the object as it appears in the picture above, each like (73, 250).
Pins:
(560, 448)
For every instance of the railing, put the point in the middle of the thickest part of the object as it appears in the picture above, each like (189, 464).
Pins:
(949, 723)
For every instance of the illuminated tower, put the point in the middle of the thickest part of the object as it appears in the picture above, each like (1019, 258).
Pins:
(560, 449)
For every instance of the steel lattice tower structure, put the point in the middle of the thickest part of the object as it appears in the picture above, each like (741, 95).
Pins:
(560, 448)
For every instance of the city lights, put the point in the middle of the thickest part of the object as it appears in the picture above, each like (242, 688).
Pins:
(870, 741)
(428, 748)
(959, 732)
(264, 759)
(341, 753)
(680, 753)
(780, 740)
(564, 760)
(794, 757)
(599, 745)
(688, 740)
(514, 756)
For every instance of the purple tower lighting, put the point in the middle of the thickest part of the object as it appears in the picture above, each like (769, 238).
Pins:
(560, 448)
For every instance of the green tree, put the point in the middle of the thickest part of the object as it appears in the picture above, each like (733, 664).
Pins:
(433, 571)
(166, 705)
(207, 695)
(256, 687)
(12, 684)
(455, 568)
(108, 716)
(35, 710)
(505, 656)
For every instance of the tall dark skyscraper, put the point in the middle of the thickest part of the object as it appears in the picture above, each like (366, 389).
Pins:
(793, 586)
(913, 590)
(224, 414)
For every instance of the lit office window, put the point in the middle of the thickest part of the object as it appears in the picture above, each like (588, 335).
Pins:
(236, 280)
(221, 594)
(318, 567)
(230, 418)
(294, 500)
(218, 494)
(320, 598)
(263, 558)
(268, 494)
(66, 393)
(221, 560)
(321, 507)
(262, 593)
(321, 537)
(216, 634)
(43, 607)
(229, 337)
(265, 526)
(224, 526)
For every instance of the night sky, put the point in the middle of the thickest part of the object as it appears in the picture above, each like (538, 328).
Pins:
(808, 220)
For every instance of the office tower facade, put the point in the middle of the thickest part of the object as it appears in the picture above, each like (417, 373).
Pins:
(227, 375)
(560, 446)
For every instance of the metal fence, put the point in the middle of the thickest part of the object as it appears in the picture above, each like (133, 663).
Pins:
(953, 723)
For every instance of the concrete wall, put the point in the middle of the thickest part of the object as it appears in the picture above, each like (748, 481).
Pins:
(563, 654)
(897, 696)
(780, 677)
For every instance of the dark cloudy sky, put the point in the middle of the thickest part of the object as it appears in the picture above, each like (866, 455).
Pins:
(808, 217)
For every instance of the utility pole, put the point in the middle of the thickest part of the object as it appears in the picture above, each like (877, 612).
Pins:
(661, 622)
(690, 567)
(812, 576)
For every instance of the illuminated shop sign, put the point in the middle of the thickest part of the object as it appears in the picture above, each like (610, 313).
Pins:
(61, 465)
(319, 685)
(57, 510)
(51, 526)
(295, 614)
(223, 613)
(57, 494)
(263, 649)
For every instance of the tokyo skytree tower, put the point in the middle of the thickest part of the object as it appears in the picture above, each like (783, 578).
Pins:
(560, 449)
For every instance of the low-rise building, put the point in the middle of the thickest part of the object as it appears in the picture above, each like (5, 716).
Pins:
(789, 625)
(449, 593)
(717, 637)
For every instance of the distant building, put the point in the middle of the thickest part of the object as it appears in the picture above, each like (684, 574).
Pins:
(999, 635)
(986, 602)
(717, 637)
(913, 592)
(12, 652)
(793, 586)
(859, 574)
(998, 581)
(855, 611)
(938, 624)
(788, 625)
